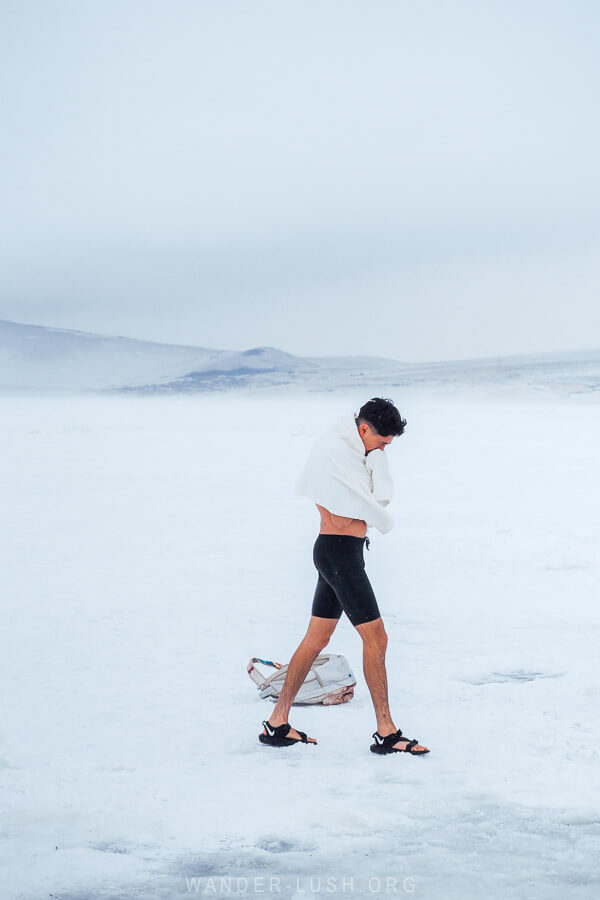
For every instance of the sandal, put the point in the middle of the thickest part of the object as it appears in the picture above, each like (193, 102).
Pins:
(276, 736)
(386, 744)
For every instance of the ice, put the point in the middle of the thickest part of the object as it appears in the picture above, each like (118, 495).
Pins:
(151, 545)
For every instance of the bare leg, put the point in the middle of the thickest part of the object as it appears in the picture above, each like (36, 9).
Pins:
(374, 639)
(316, 638)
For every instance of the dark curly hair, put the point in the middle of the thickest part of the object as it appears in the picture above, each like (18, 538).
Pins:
(381, 414)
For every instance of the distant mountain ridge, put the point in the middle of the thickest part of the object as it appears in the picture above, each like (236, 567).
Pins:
(41, 357)
(38, 357)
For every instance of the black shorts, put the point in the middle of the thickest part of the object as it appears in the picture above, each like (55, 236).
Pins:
(343, 585)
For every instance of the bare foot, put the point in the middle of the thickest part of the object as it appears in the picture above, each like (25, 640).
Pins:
(416, 748)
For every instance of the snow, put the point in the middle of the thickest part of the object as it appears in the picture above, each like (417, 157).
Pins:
(151, 545)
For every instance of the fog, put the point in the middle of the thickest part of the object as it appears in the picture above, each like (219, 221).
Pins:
(409, 181)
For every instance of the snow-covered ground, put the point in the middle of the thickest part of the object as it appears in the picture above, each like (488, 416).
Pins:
(151, 545)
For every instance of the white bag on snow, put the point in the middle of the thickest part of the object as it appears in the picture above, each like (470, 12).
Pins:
(330, 680)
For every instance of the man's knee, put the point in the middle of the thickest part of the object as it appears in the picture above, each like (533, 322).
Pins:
(319, 632)
(317, 642)
(374, 633)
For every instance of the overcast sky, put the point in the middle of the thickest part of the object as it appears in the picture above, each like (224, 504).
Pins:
(410, 180)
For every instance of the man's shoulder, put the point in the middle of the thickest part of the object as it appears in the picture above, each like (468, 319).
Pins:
(345, 429)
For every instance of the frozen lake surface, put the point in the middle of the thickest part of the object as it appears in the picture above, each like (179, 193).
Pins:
(152, 545)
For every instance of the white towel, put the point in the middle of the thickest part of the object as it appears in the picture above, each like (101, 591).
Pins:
(338, 476)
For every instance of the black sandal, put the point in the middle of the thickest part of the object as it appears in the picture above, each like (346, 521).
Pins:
(386, 744)
(276, 736)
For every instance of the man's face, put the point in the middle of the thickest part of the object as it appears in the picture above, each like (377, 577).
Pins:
(372, 440)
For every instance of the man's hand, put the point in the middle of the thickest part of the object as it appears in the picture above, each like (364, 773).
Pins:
(381, 478)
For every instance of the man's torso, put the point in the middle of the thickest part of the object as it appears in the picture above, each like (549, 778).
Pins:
(332, 524)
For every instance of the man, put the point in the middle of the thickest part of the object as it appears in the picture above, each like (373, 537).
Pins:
(348, 478)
